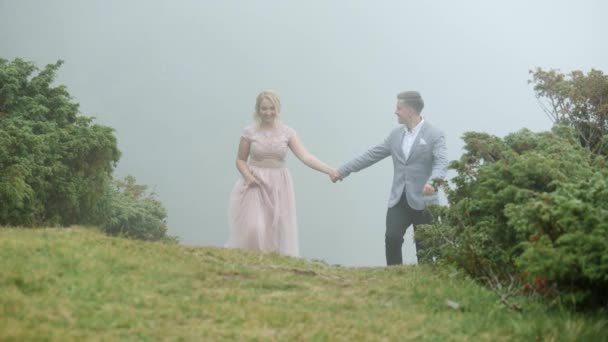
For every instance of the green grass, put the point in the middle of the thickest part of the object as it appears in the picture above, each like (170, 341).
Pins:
(78, 284)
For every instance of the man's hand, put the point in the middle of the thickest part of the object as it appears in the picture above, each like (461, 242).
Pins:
(428, 189)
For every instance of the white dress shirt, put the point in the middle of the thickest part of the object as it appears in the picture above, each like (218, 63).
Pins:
(410, 137)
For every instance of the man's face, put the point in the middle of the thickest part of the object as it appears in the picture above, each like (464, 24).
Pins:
(404, 112)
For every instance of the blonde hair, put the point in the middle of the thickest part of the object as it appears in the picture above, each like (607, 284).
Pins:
(271, 96)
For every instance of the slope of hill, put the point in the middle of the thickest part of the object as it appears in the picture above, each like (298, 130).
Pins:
(78, 284)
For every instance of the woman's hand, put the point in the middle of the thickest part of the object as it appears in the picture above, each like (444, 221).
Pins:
(251, 181)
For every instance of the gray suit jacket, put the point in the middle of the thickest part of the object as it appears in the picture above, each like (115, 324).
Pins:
(427, 160)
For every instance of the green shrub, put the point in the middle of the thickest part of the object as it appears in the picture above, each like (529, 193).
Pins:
(133, 213)
(531, 205)
(54, 164)
(567, 234)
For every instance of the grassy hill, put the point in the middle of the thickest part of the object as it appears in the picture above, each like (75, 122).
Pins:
(78, 284)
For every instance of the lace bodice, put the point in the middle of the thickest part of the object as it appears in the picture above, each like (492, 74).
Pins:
(268, 144)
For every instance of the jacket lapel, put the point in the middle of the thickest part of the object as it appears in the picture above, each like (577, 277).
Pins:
(417, 141)
(399, 146)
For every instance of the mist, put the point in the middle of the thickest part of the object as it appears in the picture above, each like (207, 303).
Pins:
(177, 80)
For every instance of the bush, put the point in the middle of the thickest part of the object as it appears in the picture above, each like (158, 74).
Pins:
(133, 213)
(567, 234)
(531, 205)
(54, 164)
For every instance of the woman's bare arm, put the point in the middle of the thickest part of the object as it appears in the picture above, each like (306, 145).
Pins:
(241, 162)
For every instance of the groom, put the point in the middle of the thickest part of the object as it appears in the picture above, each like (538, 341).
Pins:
(419, 155)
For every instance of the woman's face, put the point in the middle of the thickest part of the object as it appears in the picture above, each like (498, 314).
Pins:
(267, 112)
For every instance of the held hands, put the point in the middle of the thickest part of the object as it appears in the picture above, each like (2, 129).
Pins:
(428, 189)
(334, 175)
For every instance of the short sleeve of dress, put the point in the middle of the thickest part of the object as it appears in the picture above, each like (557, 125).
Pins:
(247, 133)
(289, 132)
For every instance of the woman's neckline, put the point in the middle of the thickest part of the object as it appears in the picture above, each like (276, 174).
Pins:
(268, 129)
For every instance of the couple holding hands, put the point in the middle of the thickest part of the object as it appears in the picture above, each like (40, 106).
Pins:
(262, 212)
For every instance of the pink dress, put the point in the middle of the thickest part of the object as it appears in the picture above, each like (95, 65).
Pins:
(263, 218)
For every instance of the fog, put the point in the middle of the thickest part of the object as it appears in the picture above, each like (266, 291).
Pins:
(178, 79)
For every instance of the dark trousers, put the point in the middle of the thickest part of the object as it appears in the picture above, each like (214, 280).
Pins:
(398, 218)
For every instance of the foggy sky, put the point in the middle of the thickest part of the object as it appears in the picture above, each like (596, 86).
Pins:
(178, 80)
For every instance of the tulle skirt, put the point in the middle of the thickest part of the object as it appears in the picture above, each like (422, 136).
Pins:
(263, 217)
